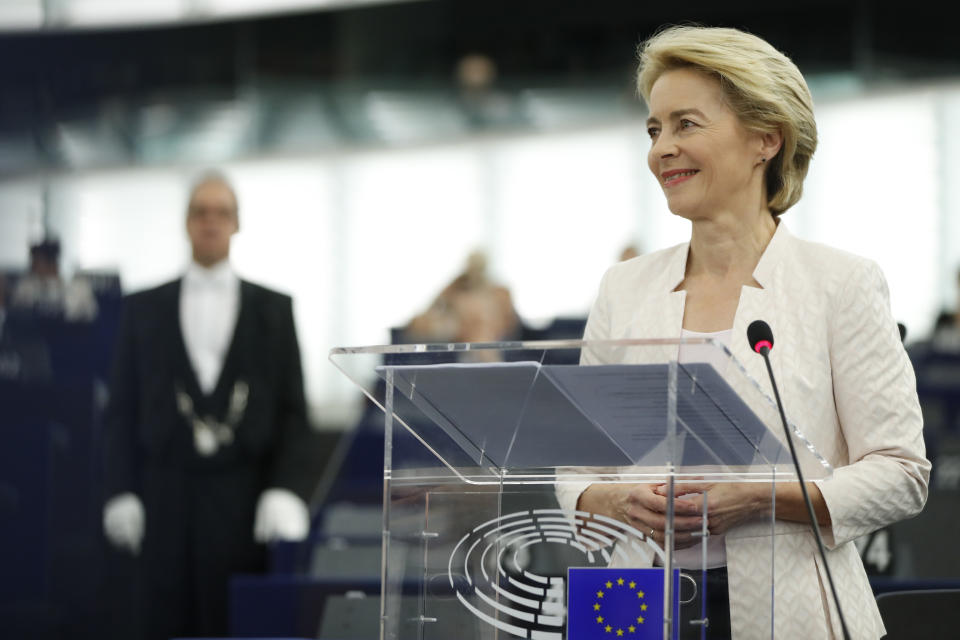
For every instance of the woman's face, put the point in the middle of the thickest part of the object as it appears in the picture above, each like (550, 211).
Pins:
(707, 163)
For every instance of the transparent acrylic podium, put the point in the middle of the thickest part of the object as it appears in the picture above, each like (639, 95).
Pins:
(487, 446)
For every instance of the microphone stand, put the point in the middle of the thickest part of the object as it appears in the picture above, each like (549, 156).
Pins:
(765, 352)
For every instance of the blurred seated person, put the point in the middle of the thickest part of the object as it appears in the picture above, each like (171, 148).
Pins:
(472, 308)
(630, 251)
(45, 292)
(946, 330)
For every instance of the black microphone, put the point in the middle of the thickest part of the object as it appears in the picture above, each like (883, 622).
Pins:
(760, 337)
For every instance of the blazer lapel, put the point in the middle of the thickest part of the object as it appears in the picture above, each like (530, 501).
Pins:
(663, 317)
(170, 344)
(654, 311)
(183, 370)
(232, 363)
(762, 304)
(755, 304)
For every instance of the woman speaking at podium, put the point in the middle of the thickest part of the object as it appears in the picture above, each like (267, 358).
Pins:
(732, 133)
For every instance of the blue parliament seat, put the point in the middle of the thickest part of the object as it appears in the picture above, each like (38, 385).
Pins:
(938, 387)
(24, 510)
(51, 547)
(355, 617)
(278, 605)
(49, 533)
(350, 618)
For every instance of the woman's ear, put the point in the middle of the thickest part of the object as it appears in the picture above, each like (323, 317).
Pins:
(770, 143)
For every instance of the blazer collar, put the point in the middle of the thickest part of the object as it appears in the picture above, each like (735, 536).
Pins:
(763, 273)
(172, 312)
(233, 364)
(755, 303)
(772, 256)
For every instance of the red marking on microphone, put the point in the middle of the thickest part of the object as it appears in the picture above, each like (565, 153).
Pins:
(761, 344)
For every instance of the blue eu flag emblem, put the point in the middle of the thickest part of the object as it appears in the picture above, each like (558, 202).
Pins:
(610, 604)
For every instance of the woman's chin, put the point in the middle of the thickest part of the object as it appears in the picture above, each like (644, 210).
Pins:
(681, 212)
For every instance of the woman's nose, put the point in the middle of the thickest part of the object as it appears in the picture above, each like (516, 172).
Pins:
(664, 146)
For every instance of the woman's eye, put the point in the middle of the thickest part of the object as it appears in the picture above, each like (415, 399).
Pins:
(652, 131)
(686, 124)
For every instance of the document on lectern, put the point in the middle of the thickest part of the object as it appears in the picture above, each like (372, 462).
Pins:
(528, 415)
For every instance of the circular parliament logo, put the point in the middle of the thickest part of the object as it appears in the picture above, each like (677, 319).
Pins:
(488, 571)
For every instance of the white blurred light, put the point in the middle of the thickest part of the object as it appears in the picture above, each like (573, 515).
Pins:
(20, 222)
(411, 217)
(248, 7)
(119, 12)
(20, 14)
(132, 222)
(873, 189)
(286, 242)
(566, 205)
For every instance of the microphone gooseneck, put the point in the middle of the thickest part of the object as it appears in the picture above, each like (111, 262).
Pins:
(760, 337)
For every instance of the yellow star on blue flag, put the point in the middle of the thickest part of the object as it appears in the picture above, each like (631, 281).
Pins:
(616, 603)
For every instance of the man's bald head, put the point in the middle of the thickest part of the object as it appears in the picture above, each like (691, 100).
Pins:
(212, 218)
(213, 180)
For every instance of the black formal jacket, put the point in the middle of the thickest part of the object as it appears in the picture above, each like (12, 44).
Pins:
(146, 438)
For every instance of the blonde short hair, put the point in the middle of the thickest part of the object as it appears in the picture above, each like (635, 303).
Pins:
(760, 84)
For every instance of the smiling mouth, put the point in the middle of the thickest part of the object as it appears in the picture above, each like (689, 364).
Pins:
(672, 178)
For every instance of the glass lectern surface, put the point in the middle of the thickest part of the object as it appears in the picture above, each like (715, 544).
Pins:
(484, 445)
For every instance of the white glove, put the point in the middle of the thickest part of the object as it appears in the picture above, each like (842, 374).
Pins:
(281, 515)
(123, 522)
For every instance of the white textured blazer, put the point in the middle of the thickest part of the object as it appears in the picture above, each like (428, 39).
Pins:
(846, 382)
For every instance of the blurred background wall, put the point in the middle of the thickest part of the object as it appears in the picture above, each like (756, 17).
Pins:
(374, 144)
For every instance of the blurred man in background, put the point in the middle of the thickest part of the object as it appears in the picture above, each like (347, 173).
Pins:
(206, 428)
